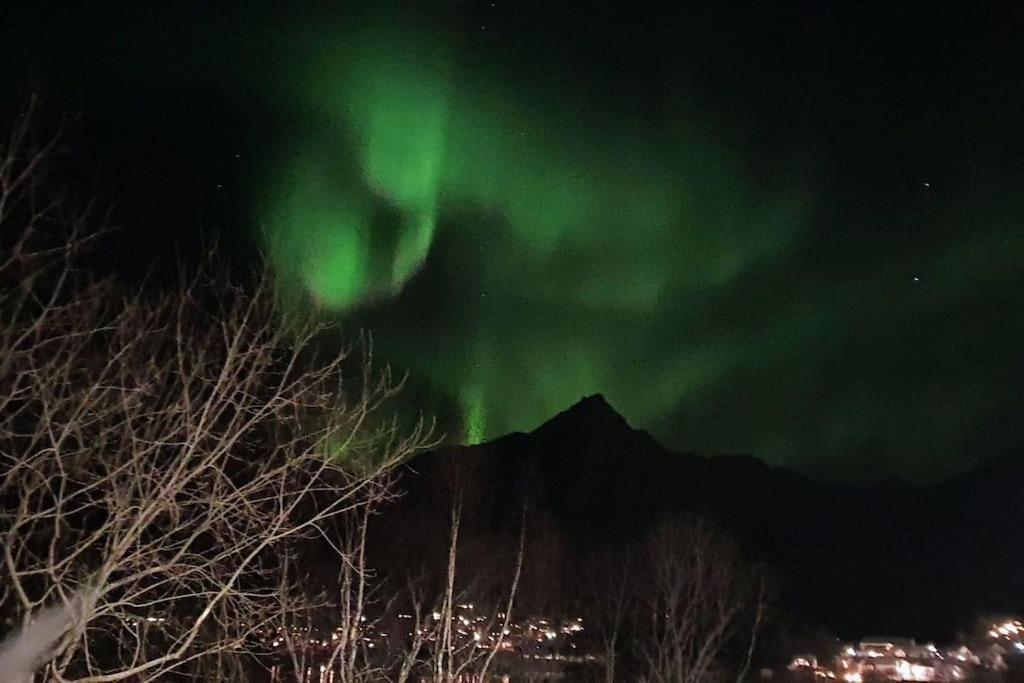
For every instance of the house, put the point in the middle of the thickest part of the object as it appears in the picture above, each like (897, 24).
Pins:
(896, 659)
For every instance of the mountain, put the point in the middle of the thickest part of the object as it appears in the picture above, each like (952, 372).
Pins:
(891, 557)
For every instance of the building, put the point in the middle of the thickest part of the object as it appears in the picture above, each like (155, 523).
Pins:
(806, 666)
(896, 659)
(997, 647)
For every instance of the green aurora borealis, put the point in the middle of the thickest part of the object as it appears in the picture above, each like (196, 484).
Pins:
(581, 235)
(749, 242)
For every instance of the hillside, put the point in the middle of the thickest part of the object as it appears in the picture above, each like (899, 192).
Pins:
(892, 557)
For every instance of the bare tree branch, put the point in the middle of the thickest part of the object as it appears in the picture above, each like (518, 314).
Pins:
(162, 451)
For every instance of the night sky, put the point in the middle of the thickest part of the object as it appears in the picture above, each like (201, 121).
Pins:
(794, 231)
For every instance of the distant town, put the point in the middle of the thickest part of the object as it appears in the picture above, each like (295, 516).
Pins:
(989, 655)
(544, 647)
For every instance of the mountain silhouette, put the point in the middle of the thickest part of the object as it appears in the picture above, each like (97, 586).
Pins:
(920, 560)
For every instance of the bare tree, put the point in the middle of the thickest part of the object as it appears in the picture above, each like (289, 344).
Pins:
(461, 655)
(700, 606)
(499, 635)
(162, 451)
(609, 592)
(457, 635)
(354, 637)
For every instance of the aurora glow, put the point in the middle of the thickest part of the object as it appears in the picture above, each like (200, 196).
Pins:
(566, 214)
(749, 231)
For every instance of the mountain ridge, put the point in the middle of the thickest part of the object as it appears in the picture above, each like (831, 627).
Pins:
(847, 552)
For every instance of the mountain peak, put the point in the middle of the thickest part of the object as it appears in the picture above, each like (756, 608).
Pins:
(595, 404)
(591, 414)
